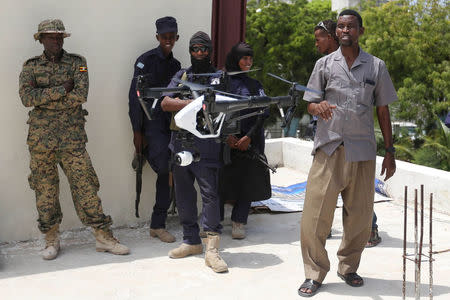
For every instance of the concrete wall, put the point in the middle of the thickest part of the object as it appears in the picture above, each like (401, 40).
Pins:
(111, 34)
(296, 154)
(340, 5)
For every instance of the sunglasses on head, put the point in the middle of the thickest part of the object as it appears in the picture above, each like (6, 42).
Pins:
(321, 25)
(199, 48)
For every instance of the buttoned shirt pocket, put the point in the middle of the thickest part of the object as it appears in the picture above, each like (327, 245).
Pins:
(364, 111)
(368, 92)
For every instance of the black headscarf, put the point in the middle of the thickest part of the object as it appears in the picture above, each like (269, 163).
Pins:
(204, 65)
(234, 56)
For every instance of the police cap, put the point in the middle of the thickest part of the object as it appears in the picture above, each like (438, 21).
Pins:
(166, 24)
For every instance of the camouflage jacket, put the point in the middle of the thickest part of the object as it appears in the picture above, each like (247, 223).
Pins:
(57, 119)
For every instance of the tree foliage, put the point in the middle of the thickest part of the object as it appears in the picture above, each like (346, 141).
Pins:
(412, 38)
(282, 37)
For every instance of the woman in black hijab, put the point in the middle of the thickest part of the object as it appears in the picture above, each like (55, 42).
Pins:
(245, 179)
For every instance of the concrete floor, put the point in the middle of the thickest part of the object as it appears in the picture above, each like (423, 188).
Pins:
(266, 265)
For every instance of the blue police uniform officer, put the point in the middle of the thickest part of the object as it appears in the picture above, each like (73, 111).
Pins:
(158, 65)
(205, 171)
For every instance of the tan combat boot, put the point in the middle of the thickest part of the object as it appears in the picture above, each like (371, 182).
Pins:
(51, 243)
(185, 250)
(203, 237)
(212, 257)
(237, 230)
(162, 234)
(106, 242)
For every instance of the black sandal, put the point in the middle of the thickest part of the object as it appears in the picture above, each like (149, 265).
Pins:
(349, 279)
(311, 285)
(374, 239)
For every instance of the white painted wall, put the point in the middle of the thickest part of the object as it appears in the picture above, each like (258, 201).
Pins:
(340, 5)
(296, 154)
(111, 34)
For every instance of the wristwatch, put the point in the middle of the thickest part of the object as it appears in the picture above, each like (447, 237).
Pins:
(390, 149)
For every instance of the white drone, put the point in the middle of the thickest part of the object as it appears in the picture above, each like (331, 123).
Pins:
(213, 113)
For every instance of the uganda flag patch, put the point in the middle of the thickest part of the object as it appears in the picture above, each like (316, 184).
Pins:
(83, 69)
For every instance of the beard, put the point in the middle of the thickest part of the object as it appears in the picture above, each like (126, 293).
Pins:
(200, 66)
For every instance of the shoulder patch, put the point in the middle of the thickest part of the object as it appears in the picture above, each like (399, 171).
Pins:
(140, 65)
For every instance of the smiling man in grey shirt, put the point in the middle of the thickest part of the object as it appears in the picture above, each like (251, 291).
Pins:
(352, 82)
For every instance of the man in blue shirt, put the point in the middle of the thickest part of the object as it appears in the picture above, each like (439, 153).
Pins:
(151, 137)
(205, 171)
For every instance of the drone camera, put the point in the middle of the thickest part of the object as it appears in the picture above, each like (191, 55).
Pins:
(185, 158)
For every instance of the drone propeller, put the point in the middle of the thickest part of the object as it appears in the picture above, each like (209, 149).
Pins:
(231, 95)
(199, 87)
(280, 78)
(296, 85)
(195, 87)
(216, 74)
(221, 73)
(241, 72)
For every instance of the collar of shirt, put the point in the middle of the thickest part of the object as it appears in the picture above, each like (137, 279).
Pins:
(161, 53)
(43, 60)
(363, 57)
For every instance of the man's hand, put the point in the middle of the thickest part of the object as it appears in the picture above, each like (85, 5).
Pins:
(138, 141)
(231, 141)
(388, 165)
(68, 85)
(243, 143)
(173, 104)
(322, 109)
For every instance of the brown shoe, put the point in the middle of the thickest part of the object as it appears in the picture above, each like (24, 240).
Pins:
(162, 234)
(106, 242)
(51, 243)
(185, 250)
(212, 257)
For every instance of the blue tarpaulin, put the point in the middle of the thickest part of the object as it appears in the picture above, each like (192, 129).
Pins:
(291, 198)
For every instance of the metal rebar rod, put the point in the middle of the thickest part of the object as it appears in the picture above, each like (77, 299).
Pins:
(431, 247)
(416, 249)
(434, 252)
(421, 231)
(405, 213)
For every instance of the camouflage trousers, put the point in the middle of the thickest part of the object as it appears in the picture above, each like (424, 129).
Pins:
(84, 185)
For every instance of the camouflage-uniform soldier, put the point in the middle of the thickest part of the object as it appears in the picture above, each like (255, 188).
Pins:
(56, 84)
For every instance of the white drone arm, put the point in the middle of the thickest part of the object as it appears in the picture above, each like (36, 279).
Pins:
(187, 117)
